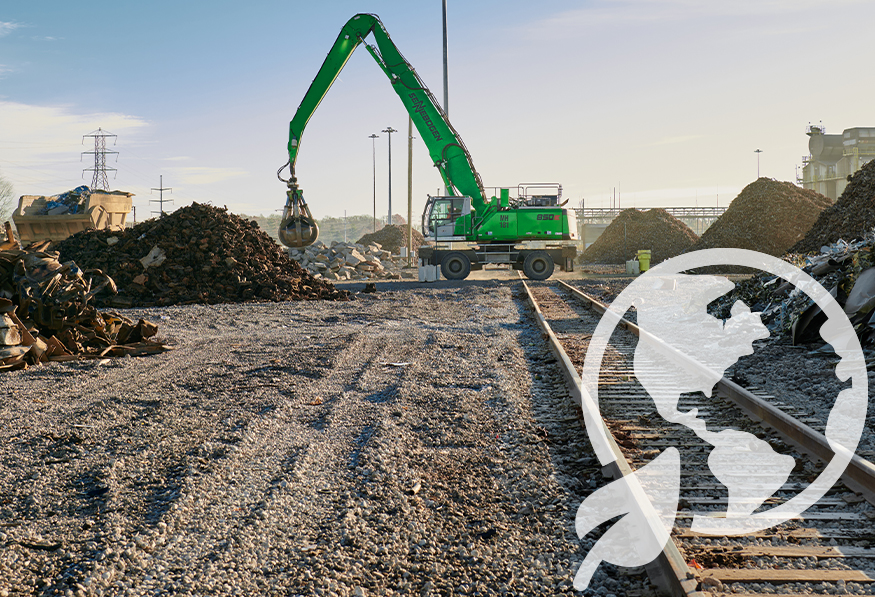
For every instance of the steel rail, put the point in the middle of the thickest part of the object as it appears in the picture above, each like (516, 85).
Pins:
(668, 571)
(859, 475)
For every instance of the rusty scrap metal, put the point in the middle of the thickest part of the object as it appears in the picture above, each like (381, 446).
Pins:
(197, 254)
(46, 312)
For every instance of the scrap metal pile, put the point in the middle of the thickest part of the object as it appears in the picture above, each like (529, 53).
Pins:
(46, 312)
(632, 230)
(850, 218)
(197, 254)
(768, 216)
(847, 270)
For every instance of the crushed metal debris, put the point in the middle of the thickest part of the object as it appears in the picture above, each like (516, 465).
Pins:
(767, 216)
(393, 238)
(46, 312)
(654, 229)
(197, 254)
(847, 270)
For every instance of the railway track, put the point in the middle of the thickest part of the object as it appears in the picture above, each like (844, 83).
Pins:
(828, 549)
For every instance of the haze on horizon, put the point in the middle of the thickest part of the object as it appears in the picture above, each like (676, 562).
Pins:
(665, 100)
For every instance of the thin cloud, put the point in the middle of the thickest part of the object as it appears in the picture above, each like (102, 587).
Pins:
(7, 27)
(43, 131)
(199, 175)
(605, 12)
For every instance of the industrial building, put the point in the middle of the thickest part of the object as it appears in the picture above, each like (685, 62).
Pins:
(833, 158)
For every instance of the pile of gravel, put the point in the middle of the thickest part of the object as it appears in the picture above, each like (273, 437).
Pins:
(768, 216)
(198, 254)
(392, 238)
(631, 230)
(849, 218)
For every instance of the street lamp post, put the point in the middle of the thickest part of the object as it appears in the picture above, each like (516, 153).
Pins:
(758, 152)
(374, 160)
(446, 76)
(389, 131)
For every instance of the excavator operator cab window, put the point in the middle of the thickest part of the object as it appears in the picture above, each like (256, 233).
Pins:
(444, 213)
(447, 209)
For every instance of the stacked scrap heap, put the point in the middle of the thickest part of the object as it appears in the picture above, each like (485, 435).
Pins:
(850, 218)
(46, 312)
(632, 230)
(768, 216)
(197, 254)
(847, 270)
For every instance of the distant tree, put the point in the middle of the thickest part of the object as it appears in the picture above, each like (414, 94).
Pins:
(352, 227)
(7, 200)
(330, 229)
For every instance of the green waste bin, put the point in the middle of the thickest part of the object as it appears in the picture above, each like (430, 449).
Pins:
(644, 259)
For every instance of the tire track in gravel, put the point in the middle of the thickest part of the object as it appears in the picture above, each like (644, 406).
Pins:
(277, 456)
(120, 446)
(66, 474)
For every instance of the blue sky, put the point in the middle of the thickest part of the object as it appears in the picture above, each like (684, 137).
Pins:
(665, 99)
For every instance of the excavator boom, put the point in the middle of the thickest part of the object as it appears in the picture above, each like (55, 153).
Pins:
(444, 144)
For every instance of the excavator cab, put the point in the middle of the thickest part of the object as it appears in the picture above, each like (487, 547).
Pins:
(298, 227)
(440, 215)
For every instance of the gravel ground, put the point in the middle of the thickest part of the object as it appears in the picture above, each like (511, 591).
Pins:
(408, 442)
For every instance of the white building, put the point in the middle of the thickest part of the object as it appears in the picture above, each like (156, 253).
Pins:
(834, 158)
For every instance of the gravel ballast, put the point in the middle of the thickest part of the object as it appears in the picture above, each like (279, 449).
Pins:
(408, 442)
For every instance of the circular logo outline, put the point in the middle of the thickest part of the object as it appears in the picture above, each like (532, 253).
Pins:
(847, 415)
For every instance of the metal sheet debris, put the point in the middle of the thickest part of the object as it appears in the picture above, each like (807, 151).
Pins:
(46, 312)
(846, 269)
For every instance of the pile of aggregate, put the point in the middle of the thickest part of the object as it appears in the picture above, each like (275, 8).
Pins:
(852, 215)
(392, 238)
(768, 216)
(197, 254)
(632, 230)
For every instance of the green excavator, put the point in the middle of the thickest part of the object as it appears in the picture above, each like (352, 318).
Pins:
(499, 229)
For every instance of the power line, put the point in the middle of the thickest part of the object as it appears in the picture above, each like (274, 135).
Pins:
(99, 181)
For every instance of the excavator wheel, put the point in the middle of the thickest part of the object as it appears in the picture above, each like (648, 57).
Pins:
(538, 265)
(456, 266)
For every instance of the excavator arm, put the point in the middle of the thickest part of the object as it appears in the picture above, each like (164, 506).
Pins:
(447, 151)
